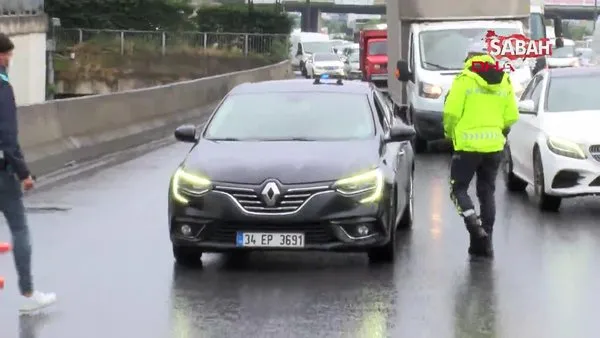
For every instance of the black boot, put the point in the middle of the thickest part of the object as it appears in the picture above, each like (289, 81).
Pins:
(482, 247)
(474, 227)
(478, 236)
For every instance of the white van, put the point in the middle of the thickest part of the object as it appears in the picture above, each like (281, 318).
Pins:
(300, 51)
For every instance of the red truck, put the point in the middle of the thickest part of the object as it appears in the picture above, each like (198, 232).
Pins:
(373, 55)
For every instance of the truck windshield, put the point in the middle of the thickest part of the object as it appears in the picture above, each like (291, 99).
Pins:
(378, 48)
(446, 49)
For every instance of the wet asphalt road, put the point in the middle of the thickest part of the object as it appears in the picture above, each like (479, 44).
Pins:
(107, 255)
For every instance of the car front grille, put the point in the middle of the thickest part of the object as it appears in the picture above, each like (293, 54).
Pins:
(290, 201)
(315, 233)
(595, 151)
(330, 68)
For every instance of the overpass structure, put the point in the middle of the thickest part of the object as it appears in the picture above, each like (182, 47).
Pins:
(26, 23)
(311, 10)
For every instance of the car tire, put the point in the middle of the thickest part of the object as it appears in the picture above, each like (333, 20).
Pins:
(544, 201)
(387, 252)
(188, 257)
(406, 222)
(512, 182)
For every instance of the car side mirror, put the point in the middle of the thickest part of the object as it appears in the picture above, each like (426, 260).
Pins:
(186, 133)
(402, 72)
(400, 133)
(527, 107)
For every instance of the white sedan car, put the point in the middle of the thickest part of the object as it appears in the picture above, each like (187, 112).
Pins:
(324, 63)
(555, 144)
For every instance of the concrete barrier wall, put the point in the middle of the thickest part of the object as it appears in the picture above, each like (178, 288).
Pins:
(56, 133)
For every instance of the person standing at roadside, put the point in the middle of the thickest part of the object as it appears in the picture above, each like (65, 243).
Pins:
(478, 112)
(14, 178)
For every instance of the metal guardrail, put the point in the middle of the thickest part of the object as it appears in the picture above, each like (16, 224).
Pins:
(129, 42)
(21, 7)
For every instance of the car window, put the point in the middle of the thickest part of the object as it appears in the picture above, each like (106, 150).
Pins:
(378, 48)
(527, 92)
(385, 106)
(537, 93)
(581, 91)
(287, 115)
(381, 115)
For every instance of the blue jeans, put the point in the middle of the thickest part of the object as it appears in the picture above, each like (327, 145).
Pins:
(11, 205)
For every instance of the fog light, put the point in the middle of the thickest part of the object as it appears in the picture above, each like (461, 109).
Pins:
(186, 230)
(363, 230)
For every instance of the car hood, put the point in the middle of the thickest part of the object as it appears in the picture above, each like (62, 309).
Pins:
(288, 162)
(580, 126)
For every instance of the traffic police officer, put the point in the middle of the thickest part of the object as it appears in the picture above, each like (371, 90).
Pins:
(14, 176)
(479, 110)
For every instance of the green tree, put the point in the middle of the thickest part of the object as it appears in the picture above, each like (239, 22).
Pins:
(122, 14)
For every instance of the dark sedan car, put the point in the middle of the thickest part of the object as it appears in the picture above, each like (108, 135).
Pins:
(293, 165)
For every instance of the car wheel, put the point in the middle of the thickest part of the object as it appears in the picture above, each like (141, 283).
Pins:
(406, 221)
(187, 256)
(512, 182)
(544, 201)
(387, 252)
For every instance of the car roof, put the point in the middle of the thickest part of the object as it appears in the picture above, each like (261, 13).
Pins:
(574, 71)
(302, 85)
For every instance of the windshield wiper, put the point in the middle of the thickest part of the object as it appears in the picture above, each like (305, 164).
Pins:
(304, 139)
(436, 65)
(224, 139)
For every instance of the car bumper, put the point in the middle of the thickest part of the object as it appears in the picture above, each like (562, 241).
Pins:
(567, 177)
(331, 72)
(429, 125)
(327, 220)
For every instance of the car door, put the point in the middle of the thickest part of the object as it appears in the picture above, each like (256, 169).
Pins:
(395, 154)
(516, 138)
(531, 128)
(410, 84)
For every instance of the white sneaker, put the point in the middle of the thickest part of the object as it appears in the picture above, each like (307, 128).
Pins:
(37, 301)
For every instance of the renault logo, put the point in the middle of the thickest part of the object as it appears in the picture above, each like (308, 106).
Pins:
(270, 194)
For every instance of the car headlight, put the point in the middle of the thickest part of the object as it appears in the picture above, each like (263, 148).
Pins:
(370, 183)
(185, 183)
(566, 148)
(429, 90)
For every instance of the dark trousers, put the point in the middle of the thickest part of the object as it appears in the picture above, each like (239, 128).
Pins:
(464, 166)
(11, 205)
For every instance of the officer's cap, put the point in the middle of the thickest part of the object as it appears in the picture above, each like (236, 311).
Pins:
(5, 44)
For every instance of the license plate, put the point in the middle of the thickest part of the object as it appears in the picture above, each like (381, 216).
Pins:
(269, 240)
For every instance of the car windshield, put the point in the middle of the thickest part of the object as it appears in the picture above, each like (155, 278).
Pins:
(564, 52)
(582, 92)
(378, 48)
(354, 57)
(286, 116)
(318, 47)
(447, 49)
(326, 57)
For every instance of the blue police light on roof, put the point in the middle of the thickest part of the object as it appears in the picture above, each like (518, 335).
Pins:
(325, 76)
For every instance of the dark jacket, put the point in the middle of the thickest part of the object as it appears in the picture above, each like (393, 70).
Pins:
(9, 129)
